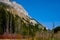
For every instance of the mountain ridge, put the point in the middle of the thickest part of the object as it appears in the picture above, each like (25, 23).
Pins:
(16, 22)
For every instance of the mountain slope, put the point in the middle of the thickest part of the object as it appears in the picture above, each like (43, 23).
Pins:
(15, 20)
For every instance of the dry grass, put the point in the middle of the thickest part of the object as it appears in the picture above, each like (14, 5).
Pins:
(45, 36)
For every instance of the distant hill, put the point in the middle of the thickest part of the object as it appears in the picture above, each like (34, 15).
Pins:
(57, 29)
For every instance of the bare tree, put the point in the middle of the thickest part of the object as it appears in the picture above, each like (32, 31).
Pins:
(53, 31)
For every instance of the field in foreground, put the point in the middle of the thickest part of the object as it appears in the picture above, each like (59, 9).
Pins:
(45, 36)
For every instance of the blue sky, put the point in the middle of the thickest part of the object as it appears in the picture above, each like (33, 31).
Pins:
(44, 11)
